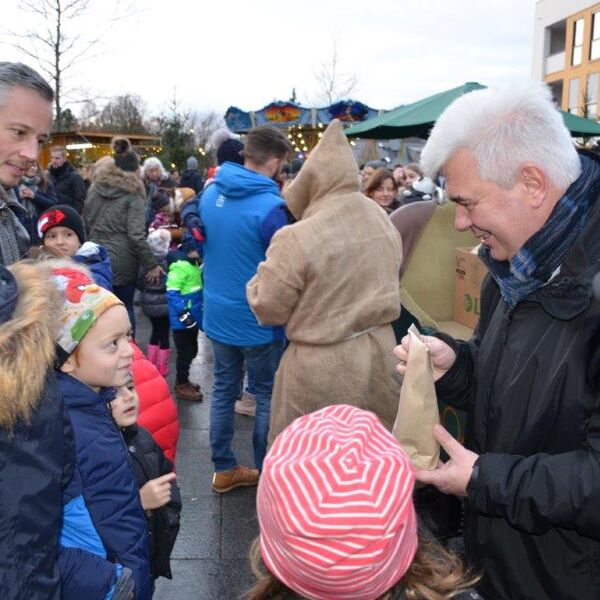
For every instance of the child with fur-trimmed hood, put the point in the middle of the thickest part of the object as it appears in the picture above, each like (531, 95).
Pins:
(36, 449)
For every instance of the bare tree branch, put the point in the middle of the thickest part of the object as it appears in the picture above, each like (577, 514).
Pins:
(54, 40)
(332, 83)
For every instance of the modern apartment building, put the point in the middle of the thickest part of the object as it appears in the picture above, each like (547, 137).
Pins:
(566, 53)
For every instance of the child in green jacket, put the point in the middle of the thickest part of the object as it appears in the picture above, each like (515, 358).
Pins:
(184, 297)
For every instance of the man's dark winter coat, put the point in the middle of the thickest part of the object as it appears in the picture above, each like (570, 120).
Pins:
(530, 381)
(69, 185)
(191, 178)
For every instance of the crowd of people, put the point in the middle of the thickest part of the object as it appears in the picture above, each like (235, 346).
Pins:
(292, 270)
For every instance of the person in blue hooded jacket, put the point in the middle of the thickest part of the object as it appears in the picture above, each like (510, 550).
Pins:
(237, 216)
(104, 548)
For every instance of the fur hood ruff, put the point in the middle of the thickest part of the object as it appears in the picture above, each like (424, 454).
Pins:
(27, 343)
(110, 180)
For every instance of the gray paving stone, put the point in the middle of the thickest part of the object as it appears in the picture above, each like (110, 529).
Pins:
(210, 558)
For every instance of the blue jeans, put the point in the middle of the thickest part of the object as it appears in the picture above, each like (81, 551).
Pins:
(261, 362)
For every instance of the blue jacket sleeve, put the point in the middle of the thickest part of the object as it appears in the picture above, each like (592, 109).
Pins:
(275, 220)
(175, 299)
(85, 575)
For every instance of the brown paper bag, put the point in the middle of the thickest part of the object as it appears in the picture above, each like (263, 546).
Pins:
(418, 408)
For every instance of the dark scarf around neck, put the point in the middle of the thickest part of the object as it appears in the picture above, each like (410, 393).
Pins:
(540, 258)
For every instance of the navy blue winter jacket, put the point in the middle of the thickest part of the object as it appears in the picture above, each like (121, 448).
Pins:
(34, 458)
(103, 521)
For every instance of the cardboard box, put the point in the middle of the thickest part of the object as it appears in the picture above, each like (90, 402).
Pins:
(468, 275)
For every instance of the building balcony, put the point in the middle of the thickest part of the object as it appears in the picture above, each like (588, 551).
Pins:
(555, 62)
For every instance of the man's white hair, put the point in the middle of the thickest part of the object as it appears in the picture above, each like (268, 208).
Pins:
(503, 128)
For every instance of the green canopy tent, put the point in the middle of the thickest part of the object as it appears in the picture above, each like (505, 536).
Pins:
(417, 119)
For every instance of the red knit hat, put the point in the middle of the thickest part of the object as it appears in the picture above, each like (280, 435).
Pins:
(335, 506)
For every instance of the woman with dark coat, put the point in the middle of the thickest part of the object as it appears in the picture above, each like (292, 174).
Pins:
(36, 194)
(114, 218)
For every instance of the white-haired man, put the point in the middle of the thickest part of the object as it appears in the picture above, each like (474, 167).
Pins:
(530, 375)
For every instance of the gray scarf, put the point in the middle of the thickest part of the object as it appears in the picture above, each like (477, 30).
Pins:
(14, 239)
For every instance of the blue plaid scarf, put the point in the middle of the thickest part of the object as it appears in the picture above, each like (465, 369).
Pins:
(539, 260)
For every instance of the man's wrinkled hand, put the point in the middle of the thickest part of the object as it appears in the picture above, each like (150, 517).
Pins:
(453, 476)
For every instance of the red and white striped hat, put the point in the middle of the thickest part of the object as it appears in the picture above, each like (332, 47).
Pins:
(335, 506)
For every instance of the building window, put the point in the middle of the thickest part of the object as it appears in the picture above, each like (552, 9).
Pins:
(556, 87)
(595, 46)
(573, 95)
(591, 96)
(577, 42)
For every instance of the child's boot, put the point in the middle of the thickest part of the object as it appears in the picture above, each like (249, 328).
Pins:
(163, 361)
(152, 354)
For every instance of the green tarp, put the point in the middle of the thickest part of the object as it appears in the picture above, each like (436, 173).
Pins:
(417, 119)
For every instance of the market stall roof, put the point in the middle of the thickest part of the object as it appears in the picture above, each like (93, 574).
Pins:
(417, 119)
(290, 114)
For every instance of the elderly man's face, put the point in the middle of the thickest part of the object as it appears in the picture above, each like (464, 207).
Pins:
(497, 216)
(25, 119)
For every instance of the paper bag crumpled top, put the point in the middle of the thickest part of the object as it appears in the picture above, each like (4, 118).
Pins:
(418, 408)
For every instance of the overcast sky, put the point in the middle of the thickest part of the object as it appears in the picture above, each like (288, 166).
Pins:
(247, 53)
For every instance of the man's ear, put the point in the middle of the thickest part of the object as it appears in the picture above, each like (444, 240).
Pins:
(534, 182)
(69, 365)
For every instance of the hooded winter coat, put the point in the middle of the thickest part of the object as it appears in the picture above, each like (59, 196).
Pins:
(332, 279)
(114, 218)
(530, 379)
(36, 446)
(240, 212)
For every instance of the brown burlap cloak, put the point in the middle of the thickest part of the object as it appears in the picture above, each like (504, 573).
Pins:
(332, 280)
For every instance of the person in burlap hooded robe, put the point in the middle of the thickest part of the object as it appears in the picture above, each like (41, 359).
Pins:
(332, 279)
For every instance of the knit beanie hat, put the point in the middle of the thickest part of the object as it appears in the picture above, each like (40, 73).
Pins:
(125, 158)
(83, 304)
(335, 506)
(227, 146)
(159, 241)
(61, 215)
(191, 162)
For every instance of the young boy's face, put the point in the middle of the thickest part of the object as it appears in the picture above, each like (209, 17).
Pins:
(104, 356)
(62, 241)
(125, 406)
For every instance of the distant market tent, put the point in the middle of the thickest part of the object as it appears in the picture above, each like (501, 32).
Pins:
(303, 125)
(417, 119)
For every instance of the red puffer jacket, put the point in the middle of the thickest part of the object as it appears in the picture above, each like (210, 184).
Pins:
(158, 411)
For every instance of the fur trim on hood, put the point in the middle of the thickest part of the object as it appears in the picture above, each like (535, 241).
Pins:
(27, 343)
(110, 180)
(330, 170)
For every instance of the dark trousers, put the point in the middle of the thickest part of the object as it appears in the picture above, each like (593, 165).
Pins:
(160, 332)
(125, 294)
(186, 344)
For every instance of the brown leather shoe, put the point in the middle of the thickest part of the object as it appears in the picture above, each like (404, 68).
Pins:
(187, 391)
(239, 476)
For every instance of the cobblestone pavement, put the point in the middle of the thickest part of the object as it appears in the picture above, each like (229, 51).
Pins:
(210, 558)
